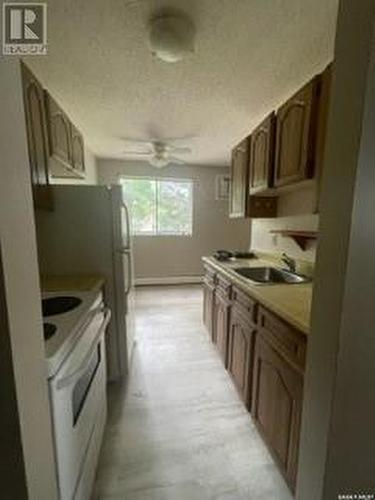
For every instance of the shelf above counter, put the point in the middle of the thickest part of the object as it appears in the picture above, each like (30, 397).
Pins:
(302, 238)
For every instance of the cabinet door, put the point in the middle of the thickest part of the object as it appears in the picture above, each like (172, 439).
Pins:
(208, 304)
(37, 138)
(240, 354)
(59, 132)
(78, 150)
(277, 406)
(221, 316)
(262, 146)
(239, 180)
(295, 136)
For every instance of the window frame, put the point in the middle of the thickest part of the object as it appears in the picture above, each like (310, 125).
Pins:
(157, 180)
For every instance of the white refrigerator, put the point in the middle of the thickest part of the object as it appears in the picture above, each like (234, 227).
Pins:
(89, 232)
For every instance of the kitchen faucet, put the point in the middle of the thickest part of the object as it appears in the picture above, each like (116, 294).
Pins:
(289, 262)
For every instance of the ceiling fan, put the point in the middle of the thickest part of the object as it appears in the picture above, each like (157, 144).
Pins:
(158, 153)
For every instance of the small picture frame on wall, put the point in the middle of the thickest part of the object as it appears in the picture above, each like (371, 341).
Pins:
(222, 187)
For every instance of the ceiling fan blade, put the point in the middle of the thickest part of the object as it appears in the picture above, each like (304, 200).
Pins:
(138, 153)
(139, 140)
(174, 159)
(180, 151)
(187, 137)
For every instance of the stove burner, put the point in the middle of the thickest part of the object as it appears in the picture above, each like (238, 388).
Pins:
(49, 330)
(59, 305)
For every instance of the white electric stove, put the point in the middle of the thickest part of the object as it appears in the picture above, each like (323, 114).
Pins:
(76, 372)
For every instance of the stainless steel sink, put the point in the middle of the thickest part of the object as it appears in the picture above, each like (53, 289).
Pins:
(270, 275)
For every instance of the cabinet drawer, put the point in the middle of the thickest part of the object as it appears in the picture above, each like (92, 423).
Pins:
(288, 341)
(244, 304)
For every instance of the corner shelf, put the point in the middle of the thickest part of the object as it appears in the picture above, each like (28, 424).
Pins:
(300, 237)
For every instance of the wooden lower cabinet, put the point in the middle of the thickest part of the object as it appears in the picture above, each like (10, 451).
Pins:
(220, 325)
(265, 357)
(277, 405)
(240, 354)
(208, 305)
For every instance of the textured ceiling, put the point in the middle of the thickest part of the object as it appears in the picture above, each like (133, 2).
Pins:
(250, 56)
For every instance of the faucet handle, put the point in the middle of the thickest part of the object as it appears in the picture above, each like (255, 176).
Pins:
(284, 257)
(289, 261)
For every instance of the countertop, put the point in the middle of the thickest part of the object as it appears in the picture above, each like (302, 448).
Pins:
(290, 302)
(80, 283)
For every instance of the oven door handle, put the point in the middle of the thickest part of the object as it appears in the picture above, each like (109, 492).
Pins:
(66, 381)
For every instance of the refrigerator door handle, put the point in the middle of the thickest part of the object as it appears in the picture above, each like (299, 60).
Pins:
(126, 211)
(127, 251)
(130, 273)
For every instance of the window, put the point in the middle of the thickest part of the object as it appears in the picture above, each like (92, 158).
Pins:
(159, 206)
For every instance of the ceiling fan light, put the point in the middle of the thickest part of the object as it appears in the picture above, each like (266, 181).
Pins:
(171, 37)
(159, 161)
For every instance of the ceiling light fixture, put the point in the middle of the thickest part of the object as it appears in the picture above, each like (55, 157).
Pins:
(171, 37)
(159, 161)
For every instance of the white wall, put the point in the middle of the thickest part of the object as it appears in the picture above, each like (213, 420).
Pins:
(166, 256)
(22, 292)
(295, 211)
(91, 169)
(337, 443)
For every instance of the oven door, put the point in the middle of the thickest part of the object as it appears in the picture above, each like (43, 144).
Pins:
(78, 393)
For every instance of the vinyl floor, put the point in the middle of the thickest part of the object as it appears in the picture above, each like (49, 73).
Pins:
(178, 430)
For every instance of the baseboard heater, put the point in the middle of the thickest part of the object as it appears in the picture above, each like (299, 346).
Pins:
(169, 280)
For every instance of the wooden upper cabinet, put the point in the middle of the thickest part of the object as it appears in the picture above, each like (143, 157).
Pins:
(296, 124)
(284, 150)
(59, 131)
(262, 156)
(36, 130)
(78, 150)
(239, 180)
(241, 203)
(66, 144)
